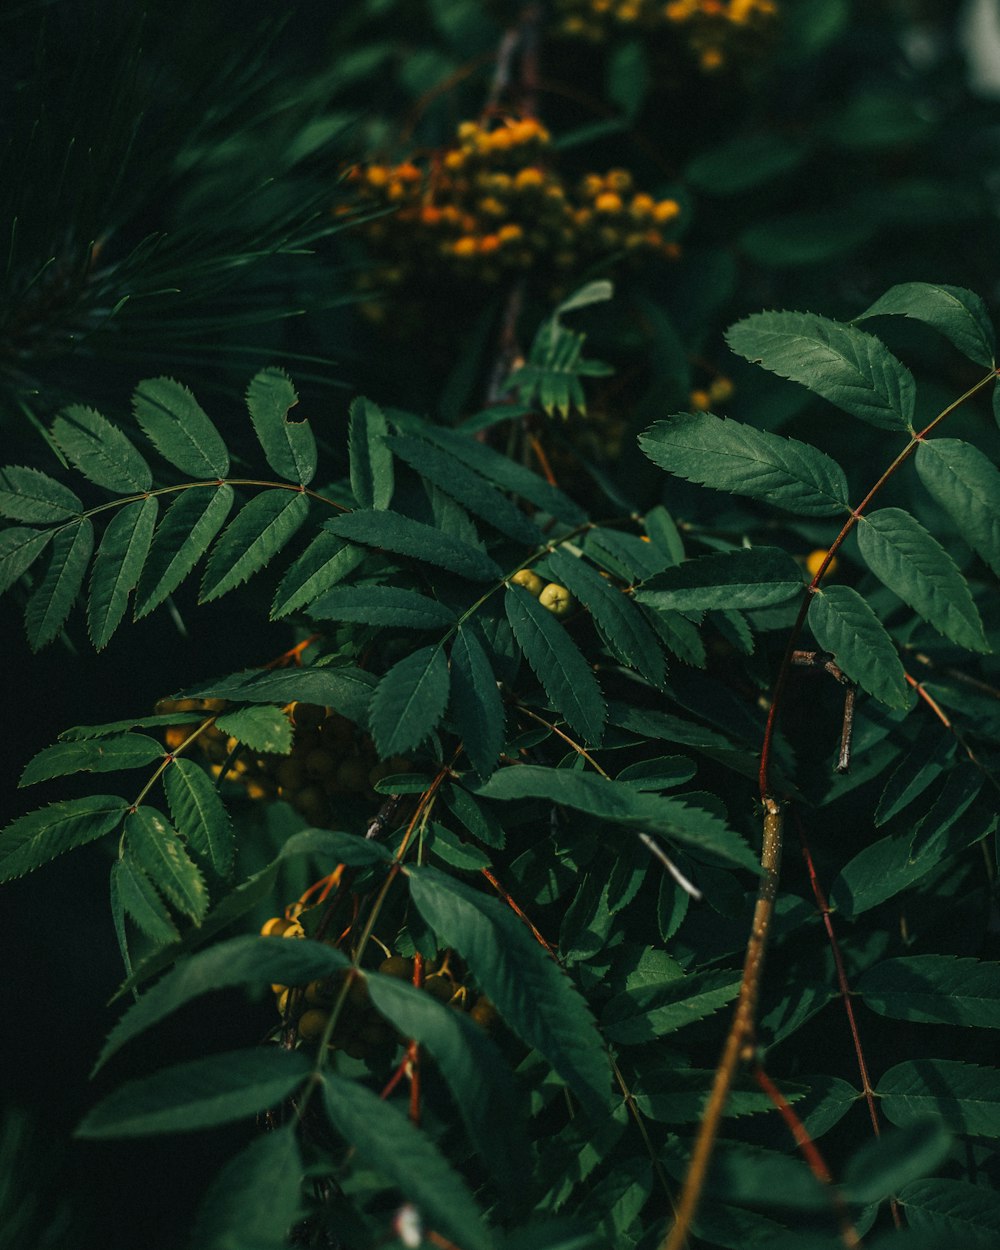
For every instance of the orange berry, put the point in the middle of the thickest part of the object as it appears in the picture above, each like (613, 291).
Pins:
(666, 210)
(608, 202)
(814, 562)
(465, 246)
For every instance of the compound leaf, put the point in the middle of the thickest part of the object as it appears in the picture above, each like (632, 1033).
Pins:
(372, 477)
(289, 445)
(557, 662)
(200, 814)
(254, 537)
(52, 599)
(30, 495)
(958, 314)
(117, 567)
(100, 451)
(179, 429)
(390, 1144)
(850, 368)
(967, 486)
(326, 561)
(180, 540)
(846, 626)
(37, 837)
(409, 701)
(401, 534)
(752, 577)
(531, 992)
(729, 456)
(200, 1094)
(160, 852)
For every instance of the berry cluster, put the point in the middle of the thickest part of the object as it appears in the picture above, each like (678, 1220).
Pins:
(716, 392)
(709, 27)
(493, 204)
(359, 1030)
(330, 758)
(555, 598)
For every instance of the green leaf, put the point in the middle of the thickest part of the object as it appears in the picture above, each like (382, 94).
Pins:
(728, 456)
(394, 1147)
(904, 556)
(958, 314)
(741, 1173)
(477, 1075)
(649, 1011)
(475, 702)
(958, 1213)
(263, 729)
(372, 478)
(967, 486)
(111, 728)
(255, 1199)
(392, 531)
(160, 852)
(30, 495)
(20, 547)
(622, 803)
(917, 768)
(36, 838)
(52, 599)
(965, 1096)
(743, 163)
(626, 632)
(678, 1096)
(386, 606)
(531, 992)
(94, 755)
(176, 425)
(557, 662)
(852, 369)
(881, 1167)
(246, 961)
(465, 486)
(346, 689)
(252, 539)
(139, 898)
(961, 787)
(200, 814)
(180, 540)
(845, 625)
(289, 445)
(409, 701)
(100, 451)
(934, 989)
(117, 567)
(326, 561)
(200, 1094)
(752, 577)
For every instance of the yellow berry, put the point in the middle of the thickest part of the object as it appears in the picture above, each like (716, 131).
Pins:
(700, 401)
(556, 599)
(814, 561)
(312, 1023)
(465, 246)
(665, 211)
(720, 389)
(529, 580)
(274, 927)
(608, 202)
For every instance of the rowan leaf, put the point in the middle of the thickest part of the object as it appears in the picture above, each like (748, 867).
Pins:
(20, 547)
(846, 626)
(289, 445)
(879, 1168)
(394, 532)
(118, 566)
(653, 1010)
(475, 701)
(100, 451)
(372, 476)
(558, 663)
(138, 896)
(386, 606)
(255, 1199)
(200, 814)
(252, 539)
(958, 314)
(344, 688)
(752, 577)
(159, 852)
(409, 701)
(917, 768)
(92, 755)
(904, 556)
(179, 429)
(967, 486)
(30, 495)
(199, 1094)
(729, 456)
(965, 1096)
(955, 1212)
(531, 992)
(326, 561)
(39, 836)
(397, 1149)
(934, 989)
(852, 369)
(179, 542)
(53, 598)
